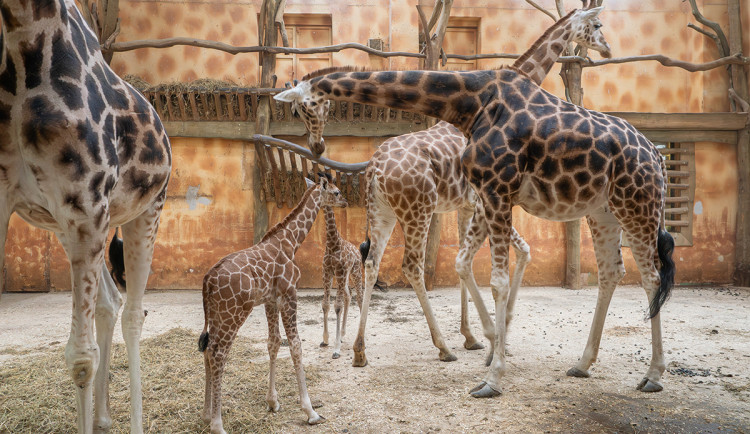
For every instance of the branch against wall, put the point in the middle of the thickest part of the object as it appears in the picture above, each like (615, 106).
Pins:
(102, 17)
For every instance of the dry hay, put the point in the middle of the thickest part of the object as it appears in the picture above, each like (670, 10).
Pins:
(36, 392)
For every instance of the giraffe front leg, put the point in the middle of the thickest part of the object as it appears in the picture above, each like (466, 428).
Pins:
(475, 236)
(470, 342)
(289, 320)
(84, 246)
(499, 228)
(139, 236)
(326, 303)
(108, 305)
(274, 342)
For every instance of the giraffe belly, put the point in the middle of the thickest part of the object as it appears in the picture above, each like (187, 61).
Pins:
(546, 201)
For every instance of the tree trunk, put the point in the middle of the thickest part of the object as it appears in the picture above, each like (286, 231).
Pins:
(267, 35)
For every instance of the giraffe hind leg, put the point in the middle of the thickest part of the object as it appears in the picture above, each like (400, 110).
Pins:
(108, 303)
(470, 342)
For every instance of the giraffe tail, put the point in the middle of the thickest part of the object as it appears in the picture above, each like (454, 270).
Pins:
(665, 248)
(203, 339)
(117, 260)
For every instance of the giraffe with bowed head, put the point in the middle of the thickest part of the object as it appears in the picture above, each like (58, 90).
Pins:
(81, 151)
(264, 274)
(556, 160)
(413, 176)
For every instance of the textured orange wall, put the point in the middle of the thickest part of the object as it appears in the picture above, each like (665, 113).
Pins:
(196, 232)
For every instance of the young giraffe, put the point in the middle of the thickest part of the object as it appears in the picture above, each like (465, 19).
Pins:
(262, 274)
(341, 260)
(556, 160)
(412, 176)
(80, 151)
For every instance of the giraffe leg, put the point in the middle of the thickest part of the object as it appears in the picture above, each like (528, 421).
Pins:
(274, 342)
(475, 236)
(356, 273)
(645, 255)
(207, 400)
(84, 245)
(138, 247)
(341, 301)
(108, 303)
(217, 351)
(381, 226)
(295, 348)
(523, 256)
(347, 301)
(606, 234)
(415, 243)
(499, 228)
(327, 285)
(470, 342)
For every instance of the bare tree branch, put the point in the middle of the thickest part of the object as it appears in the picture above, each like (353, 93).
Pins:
(423, 21)
(714, 26)
(546, 12)
(439, 4)
(709, 34)
(560, 8)
(280, 23)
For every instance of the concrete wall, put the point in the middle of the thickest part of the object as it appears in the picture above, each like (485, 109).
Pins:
(209, 211)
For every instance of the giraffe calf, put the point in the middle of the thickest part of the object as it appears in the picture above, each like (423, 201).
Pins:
(341, 260)
(262, 274)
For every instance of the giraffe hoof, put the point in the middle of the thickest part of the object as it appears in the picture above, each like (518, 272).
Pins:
(447, 357)
(473, 345)
(575, 372)
(323, 344)
(484, 390)
(103, 425)
(360, 360)
(274, 407)
(316, 420)
(648, 386)
(336, 356)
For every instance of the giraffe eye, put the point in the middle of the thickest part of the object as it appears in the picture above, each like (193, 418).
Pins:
(336, 193)
(597, 26)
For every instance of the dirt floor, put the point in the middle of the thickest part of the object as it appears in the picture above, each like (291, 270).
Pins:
(405, 388)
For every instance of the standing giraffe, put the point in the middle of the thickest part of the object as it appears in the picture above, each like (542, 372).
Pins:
(262, 274)
(413, 176)
(80, 151)
(341, 260)
(556, 160)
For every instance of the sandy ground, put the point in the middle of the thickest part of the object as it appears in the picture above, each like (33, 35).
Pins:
(405, 388)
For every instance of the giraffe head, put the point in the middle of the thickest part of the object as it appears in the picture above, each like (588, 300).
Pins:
(330, 195)
(312, 109)
(587, 29)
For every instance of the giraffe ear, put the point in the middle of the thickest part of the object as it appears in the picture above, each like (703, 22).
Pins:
(593, 12)
(289, 95)
(324, 182)
(309, 182)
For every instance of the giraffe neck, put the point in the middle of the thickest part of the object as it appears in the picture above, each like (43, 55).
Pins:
(26, 19)
(332, 233)
(538, 60)
(293, 230)
(453, 96)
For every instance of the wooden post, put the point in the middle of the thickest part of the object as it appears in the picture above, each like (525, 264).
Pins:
(571, 75)
(267, 37)
(433, 48)
(739, 81)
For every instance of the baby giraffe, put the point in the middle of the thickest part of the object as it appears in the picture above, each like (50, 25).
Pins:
(263, 274)
(341, 260)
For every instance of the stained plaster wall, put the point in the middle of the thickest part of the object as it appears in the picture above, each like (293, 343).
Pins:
(209, 210)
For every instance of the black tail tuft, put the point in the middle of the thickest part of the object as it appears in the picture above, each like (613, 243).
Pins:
(117, 259)
(203, 342)
(364, 249)
(665, 247)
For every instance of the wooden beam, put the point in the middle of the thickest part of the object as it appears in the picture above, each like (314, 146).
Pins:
(244, 130)
(678, 121)
(729, 137)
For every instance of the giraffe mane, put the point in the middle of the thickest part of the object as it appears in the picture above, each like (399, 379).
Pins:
(282, 224)
(525, 56)
(332, 69)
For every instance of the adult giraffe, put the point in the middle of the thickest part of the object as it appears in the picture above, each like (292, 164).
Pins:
(556, 160)
(81, 151)
(412, 176)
